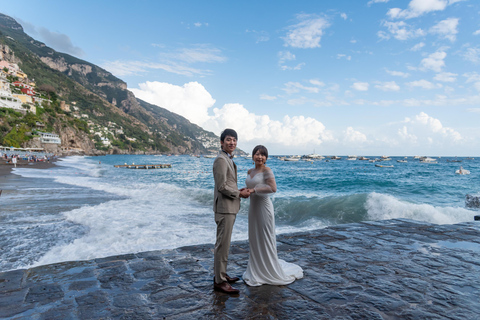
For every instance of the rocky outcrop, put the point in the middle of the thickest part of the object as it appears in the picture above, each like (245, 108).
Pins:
(472, 201)
(56, 64)
(7, 54)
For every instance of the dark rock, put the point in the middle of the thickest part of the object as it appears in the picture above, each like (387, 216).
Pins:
(472, 201)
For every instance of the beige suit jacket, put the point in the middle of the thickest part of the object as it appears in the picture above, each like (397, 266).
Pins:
(226, 194)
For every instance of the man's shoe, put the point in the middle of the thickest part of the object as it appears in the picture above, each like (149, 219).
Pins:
(231, 280)
(225, 287)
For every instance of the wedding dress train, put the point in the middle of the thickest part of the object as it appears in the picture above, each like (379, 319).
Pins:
(264, 267)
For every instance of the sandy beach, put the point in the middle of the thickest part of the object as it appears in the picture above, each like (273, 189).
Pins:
(6, 168)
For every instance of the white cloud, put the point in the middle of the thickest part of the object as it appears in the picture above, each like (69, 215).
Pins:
(252, 128)
(341, 55)
(177, 62)
(434, 61)
(417, 47)
(284, 57)
(360, 86)
(352, 136)
(388, 86)
(260, 36)
(267, 97)
(295, 87)
(446, 29)
(446, 77)
(124, 68)
(191, 100)
(406, 136)
(473, 55)
(199, 53)
(423, 84)
(316, 82)
(343, 15)
(471, 77)
(401, 30)
(476, 33)
(433, 125)
(417, 8)
(474, 110)
(307, 33)
(376, 1)
(398, 73)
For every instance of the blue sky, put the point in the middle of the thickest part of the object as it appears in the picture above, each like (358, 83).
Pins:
(364, 77)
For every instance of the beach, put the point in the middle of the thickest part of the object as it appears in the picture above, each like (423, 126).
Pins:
(6, 168)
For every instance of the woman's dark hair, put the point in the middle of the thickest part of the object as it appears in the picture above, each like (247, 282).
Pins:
(228, 132)
(262, 150)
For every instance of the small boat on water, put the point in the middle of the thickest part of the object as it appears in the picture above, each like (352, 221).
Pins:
(428, 160)
(462, 171)
(403, 161)
(383, 166)
(292, 158)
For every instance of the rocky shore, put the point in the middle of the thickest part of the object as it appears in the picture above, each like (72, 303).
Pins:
(393, 269)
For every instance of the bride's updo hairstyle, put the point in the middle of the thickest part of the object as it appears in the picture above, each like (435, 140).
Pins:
(262, 149)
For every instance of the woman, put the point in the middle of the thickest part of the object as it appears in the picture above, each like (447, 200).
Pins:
(264, 267)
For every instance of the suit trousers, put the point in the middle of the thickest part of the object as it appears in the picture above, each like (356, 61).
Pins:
(225, 223)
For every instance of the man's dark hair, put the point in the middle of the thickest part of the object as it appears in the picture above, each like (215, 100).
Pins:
(262, 150)
(228, 132)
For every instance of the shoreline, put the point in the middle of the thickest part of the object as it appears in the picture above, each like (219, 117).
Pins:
(6, 168)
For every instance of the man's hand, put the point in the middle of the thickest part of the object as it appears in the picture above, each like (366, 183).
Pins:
(244, 193)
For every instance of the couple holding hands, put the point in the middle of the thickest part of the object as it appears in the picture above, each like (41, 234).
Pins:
(263, 267)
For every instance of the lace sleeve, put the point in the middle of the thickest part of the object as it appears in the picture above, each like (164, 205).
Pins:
(269, 186)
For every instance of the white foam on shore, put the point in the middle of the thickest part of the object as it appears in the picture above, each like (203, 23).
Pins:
(383, 207)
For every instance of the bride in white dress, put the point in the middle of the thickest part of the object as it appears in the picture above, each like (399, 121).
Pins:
(264, 267)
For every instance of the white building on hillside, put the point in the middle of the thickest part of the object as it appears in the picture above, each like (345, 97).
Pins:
(46, 137)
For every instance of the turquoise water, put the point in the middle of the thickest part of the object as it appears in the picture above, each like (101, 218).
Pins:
(86, 208)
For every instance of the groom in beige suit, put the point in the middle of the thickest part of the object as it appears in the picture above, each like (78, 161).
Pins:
(226, 204)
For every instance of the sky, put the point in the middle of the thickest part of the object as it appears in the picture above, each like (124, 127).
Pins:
(334, 77)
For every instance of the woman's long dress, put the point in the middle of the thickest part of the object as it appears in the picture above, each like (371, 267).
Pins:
(264, 267)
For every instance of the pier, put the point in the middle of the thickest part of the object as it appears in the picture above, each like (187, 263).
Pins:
(392, 269)
(144, 166)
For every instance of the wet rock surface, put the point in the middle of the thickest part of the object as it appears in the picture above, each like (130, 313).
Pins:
(393, 269)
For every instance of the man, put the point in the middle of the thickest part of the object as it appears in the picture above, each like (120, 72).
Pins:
(226, 204)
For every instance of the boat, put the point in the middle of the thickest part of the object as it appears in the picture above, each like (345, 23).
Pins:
(363, 158)
(209, 155)
(402, 161)
(292, 158)
(313, 156)
(351, 157)
(335, 158)
(428, 160)
(383, 166)
(462, 171)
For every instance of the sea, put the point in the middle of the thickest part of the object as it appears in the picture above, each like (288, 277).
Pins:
(85, 207)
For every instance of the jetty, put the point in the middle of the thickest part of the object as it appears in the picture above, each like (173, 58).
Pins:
(392, 269)
(144, 166)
